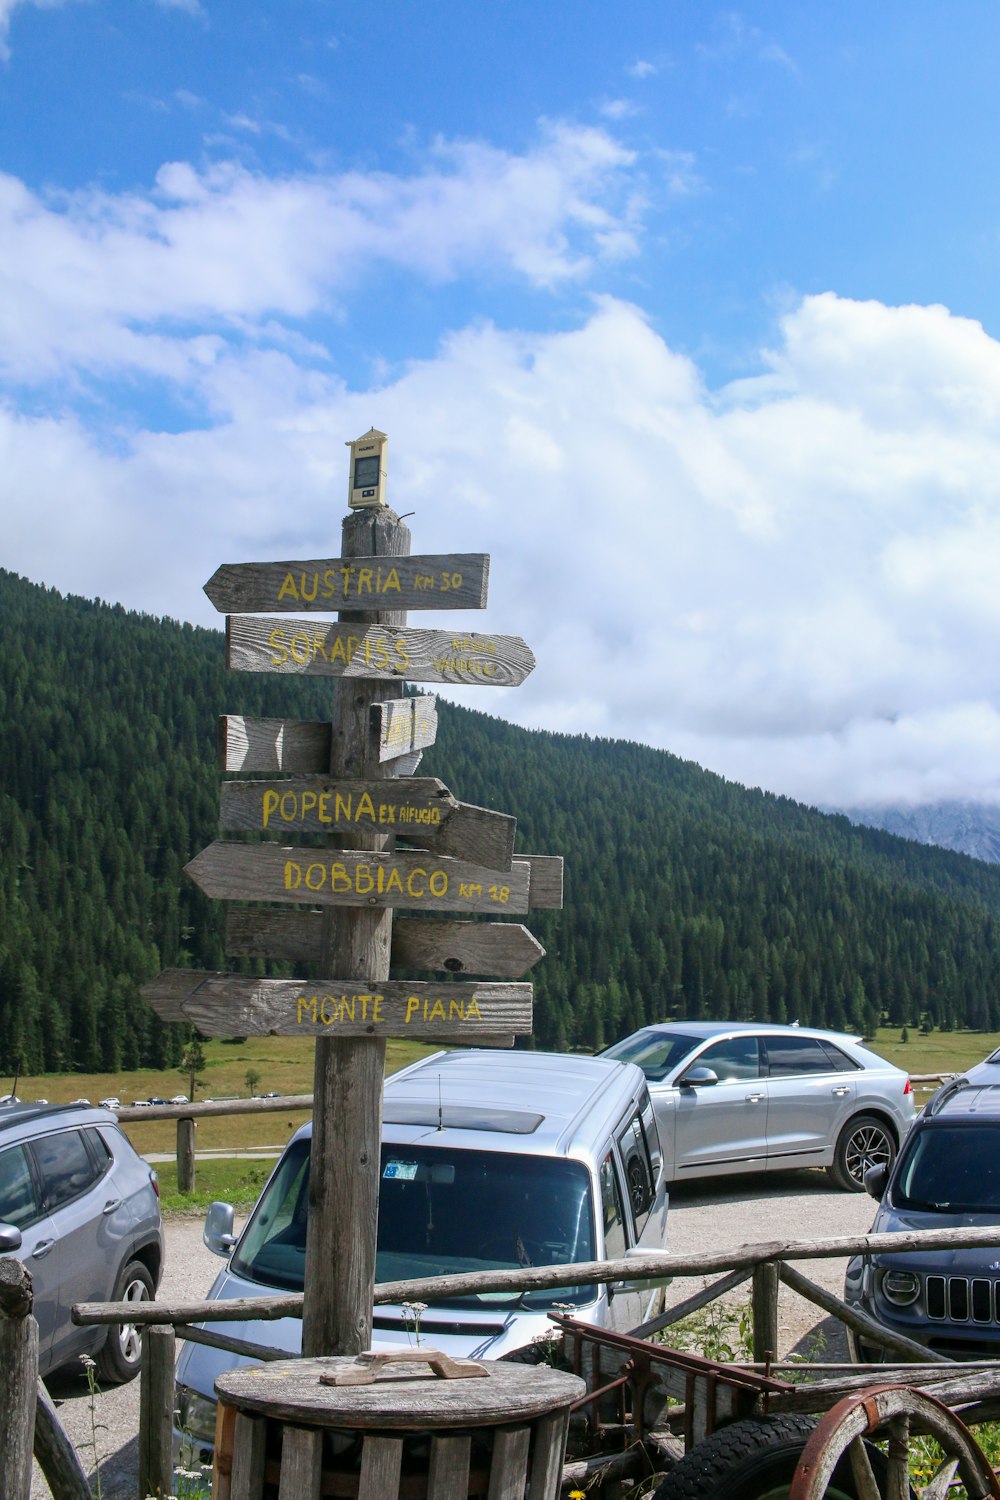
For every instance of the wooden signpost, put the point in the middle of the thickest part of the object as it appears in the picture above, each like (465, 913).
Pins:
(346, 788)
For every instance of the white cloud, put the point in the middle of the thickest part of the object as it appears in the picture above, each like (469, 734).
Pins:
(98, 281)
(7, 8)
(790, 580)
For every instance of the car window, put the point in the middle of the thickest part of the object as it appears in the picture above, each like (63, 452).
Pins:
(65, 1166)
(950, 1167)
(99, 1150)
(613, 1210)
(19, 1203)
(791, 1056)
(657, 1053)
(736, 1057)
(839, 1061)
(638, 1171)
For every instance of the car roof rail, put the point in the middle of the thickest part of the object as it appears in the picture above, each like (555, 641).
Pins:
(947, 1091)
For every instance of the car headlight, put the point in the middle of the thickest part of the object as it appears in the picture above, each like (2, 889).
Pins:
(195, 1415)
(900, 1287)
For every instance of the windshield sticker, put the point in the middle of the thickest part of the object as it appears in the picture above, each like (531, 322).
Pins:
(404, 1171)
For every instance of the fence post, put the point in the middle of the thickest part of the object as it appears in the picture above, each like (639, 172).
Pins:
(19, 1363)
(185, 1155)
(765, 1311)
(156, 1411)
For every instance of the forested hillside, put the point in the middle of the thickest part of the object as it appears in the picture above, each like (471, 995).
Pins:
(685, 894)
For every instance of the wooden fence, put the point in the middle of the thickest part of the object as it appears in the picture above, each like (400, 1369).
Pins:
(765, 1266)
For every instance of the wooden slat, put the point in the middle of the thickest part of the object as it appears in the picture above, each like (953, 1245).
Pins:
(404, 725)
(381, 1460)
(248, 1457)
(548, 1454)
(299, 746)
(319, 877)
(546, 888)
(509, 1469)
(222, 1456)
(448, 1477)
(156, 1406)
(301, 1463)
(431, 581)
(383, 653)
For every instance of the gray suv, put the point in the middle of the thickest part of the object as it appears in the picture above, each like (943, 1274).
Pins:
(947, 1176)
(81, 1209)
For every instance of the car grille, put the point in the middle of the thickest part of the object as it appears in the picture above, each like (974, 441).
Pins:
(963, 1299)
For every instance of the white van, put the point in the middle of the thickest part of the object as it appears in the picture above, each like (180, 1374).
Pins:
(490, 1161)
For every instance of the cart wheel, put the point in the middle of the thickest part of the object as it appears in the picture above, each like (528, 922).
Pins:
(755, 1459)
(841, 1435)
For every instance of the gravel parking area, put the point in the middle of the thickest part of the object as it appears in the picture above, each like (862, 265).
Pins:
(714, 1215)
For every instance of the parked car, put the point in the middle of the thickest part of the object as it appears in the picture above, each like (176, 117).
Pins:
(753, 1097)
(180, 1099)
(489, 1161)
(112, 1103)
(81, 1209)
(947, 1177)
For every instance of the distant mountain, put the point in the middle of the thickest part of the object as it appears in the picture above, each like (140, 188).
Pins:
(966, 827)
(686, 895)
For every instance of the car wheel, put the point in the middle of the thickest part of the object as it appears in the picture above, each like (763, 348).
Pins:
(864, 1142)
(121, 1356)
(754, 1459)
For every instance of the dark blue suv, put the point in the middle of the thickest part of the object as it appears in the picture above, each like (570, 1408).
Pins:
(947, 1176)
(81, 1209)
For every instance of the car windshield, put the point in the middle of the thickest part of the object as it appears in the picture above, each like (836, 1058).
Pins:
(657, 1053)
(440, 1212)
(950, 1167)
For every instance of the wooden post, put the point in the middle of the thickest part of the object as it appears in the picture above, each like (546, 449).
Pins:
(55, 1454)
(156, 1412)
(765, 1311)
(19, 1363)
(349, 1072)
(185, 1155)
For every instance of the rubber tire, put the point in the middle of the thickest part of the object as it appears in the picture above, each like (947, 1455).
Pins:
(839, 1171)
(753, 1458)
(121, 1355)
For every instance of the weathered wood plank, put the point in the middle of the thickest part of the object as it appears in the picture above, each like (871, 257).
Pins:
(381, 1463)
(404, 725)
(546, 888)
(244, 1005)
(548, 1454)
(509, 1469)
(502, 950)
(764, 1302)
(381, 653)
(299, 746)
(302, 1464)
(448, 1476)
(248, 1456)
(156, 1406)
(55, 1454)
(185, 1155)
(457, 580)
(19, 1362)
(421, 809)
(359, 878)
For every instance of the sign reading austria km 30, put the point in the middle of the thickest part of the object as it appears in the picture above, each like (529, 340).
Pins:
(456, 581)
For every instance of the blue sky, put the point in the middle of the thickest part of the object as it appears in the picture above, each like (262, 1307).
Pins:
(688, 314)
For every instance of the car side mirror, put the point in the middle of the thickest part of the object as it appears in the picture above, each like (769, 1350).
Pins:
(876, 1179)
(638, 1282)
(218, 1235)
(10, 1238)
(697, 1078)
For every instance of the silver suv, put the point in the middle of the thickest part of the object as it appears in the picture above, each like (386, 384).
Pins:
(490, 1161)
(81, 1209)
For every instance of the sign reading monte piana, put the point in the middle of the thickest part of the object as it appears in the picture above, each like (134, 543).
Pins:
(453, 857)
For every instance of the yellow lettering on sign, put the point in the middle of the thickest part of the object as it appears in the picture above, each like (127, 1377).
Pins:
(308, 1005)
(412, 1004)
(293, 875)
(268, 803)
(288, 589)
(366, 808)
(276, 642)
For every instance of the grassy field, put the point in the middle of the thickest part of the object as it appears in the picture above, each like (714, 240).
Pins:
(285, 1064)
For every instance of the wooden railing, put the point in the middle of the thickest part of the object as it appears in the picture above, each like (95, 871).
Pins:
(766, 1266)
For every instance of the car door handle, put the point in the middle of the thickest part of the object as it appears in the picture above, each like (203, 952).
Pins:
(840, 1093)
(42, 1249)
(112, 1204)
(754, 1098)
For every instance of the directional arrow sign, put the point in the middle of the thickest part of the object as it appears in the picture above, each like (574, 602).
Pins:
(422, 809)
(242, 1005)
(320, 648)
(336, 877)
(504, 950)
(452, 581)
